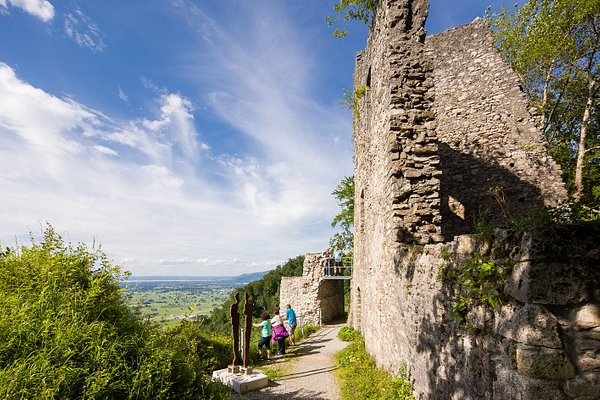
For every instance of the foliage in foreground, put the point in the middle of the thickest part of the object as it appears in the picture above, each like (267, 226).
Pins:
(352, 10)
(66, 332)
(344, 194)
(359, 377)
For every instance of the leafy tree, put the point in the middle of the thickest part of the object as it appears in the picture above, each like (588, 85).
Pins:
(554, 45)
(344, 193)
(349, 10)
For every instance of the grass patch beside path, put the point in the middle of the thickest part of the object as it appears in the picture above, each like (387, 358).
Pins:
(359, 377)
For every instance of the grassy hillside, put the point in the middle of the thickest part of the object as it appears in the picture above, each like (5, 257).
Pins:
(66, 332)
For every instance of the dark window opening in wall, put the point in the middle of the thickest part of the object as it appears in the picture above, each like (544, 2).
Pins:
(361, 212)
(368, 84)
(358, 316)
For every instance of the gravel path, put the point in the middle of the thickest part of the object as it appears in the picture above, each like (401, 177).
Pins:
(308, 370)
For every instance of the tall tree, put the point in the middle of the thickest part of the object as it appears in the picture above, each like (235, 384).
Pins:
(344, 193)
(554, 45)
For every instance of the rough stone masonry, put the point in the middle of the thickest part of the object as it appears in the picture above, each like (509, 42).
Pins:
(443, 136)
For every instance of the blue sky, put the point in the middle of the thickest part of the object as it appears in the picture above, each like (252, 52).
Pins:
(187, 137)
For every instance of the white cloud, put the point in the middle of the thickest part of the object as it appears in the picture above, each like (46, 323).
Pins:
(163, 196)
(262, 88)
(122, 95)
(41, 9)
(80, 28)
(136, 186)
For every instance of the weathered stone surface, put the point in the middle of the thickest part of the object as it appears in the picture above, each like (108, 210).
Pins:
(589, 364)
(581, 389)
(539, 362)
(587, 316)
(510, 385)
(548, 283)
(531, 325)
(444, 134)
(314, 299)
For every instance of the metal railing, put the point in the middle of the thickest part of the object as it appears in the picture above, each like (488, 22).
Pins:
(333, 269)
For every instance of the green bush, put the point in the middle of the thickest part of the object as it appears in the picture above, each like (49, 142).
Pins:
(359, 377)
(347, 334)
(66, 332)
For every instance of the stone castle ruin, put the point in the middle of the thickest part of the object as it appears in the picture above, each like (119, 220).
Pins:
(443, 137)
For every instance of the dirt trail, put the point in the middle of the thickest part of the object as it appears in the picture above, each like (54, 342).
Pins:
(308, 370)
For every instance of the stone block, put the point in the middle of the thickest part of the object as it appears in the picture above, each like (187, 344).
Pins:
(241, 383)
(548, 283)
(589, 364)
(539, 362)
(510, 385)
(587, 316)
(530, 325)
(581, 389)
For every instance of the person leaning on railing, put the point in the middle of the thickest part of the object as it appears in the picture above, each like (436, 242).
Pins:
(327, 262)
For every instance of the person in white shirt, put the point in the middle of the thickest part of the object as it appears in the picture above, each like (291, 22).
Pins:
(279, 331)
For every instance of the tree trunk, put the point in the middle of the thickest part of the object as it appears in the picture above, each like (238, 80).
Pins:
(578, 187)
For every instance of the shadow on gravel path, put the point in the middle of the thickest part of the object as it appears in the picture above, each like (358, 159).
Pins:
(307, 370)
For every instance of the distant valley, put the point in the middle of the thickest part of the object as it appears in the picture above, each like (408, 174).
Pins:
(165, 299)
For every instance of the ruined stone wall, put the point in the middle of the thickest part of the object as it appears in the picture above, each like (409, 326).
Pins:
(543, 345)
(313, 298)
(442, 133)
(492, 151)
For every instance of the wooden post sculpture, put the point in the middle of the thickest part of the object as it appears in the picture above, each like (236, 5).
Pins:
(248, 309)
(235, 329)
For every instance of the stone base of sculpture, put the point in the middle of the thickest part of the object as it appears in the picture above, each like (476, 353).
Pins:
(243, 381)
(233, 369)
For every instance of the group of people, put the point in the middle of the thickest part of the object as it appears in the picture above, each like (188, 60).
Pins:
(333, 261)
(273, 330)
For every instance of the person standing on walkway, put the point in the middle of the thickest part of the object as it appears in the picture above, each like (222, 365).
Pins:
(337, 260)
(265, 335)
(279, 332)
(290, 315)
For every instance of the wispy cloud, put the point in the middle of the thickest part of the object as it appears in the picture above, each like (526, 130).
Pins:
(81, 28)
(263, 90)
(140, 186)
(161, 191)
(41, 9)
(122, 95)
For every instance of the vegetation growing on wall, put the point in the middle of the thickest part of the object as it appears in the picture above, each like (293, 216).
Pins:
(359, 377)
(480, 280)
(66, 332)
(353, 99)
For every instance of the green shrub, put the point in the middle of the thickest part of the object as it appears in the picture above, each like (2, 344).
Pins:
(347, 334)
(66, 332)
(359, 377)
